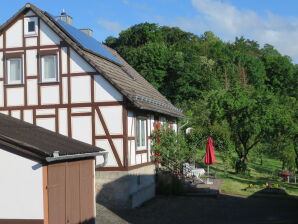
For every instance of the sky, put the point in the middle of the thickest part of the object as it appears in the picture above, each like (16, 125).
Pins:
(267, 21)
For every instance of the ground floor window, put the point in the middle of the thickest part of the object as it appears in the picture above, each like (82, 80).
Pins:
(141, 133)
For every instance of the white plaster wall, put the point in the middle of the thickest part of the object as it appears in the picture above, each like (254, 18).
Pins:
(131, 123)
(31, 42)
(98, 126)
(14, 35)
(31, 62)
(151, 128)
(1, 94)
(104, 144)
(118, 143)
(77, 64)
(45, 112)
(132, 150)
(63, 121)
(81, 109)
(144, 158)
(47, 123)
(32, 92)
(113, 118)
(149, 150)
(21, 188)
(28, 116)
(47, 35)
(15, 96)
(64, 90)
(64, 60)
(138, 158)
(16, 114)
(49, 94)
(81, 127)
(175, 126)
(104, 91)
(1, 64)
(80, 89)
(4, 112)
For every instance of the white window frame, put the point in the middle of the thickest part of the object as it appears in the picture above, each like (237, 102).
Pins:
(26, 26)
(42, 78)
(138, 130)
(8, 81)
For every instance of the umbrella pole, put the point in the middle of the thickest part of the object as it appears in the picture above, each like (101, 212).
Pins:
(208, 182)
(208, 174)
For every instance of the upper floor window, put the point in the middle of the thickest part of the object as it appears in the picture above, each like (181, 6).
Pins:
(141, 133)
(31, 27)
(14, 71)
(49, 70)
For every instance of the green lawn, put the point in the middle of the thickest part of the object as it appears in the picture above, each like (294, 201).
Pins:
(258, 175)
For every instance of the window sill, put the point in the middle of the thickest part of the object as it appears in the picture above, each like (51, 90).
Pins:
(141, 151)
(14, 85)
(49, 83)
(31, 35)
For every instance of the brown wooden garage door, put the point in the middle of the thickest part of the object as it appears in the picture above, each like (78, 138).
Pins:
(71, 192)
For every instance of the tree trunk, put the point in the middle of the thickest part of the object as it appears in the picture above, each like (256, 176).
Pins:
(241, 165)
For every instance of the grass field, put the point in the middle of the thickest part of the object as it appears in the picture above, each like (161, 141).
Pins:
(258, 175)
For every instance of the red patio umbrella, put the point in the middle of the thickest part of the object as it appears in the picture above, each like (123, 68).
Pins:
(210, 156)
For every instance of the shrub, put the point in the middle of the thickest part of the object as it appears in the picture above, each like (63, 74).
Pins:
(170, 149)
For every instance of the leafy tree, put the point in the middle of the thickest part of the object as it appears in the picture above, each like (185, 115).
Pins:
(280, 71)
(249, 115)
(243, 95)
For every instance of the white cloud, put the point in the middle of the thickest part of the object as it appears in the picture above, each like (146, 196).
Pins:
(228, 21)
(111, 26)
(193, 24)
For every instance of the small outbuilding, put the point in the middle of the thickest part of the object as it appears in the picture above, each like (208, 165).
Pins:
(45, 177)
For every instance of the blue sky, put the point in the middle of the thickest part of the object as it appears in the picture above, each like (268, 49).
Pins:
(267, 21)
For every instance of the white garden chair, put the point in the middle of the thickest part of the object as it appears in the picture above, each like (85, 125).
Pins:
(189, 171)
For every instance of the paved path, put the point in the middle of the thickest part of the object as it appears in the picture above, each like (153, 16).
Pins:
(224, 209)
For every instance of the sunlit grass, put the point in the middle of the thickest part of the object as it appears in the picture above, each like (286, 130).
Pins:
(258, 174)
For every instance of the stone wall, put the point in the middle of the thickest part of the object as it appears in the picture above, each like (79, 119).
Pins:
(125, 189)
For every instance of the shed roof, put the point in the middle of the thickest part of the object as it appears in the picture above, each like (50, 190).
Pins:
(40, 142)
(110, 65)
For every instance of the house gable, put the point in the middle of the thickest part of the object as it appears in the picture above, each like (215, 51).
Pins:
(89, 101)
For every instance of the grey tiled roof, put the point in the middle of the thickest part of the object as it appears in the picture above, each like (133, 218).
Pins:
(122, 76)
(40, 141)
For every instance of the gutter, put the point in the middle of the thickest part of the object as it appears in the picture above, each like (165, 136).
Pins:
(57, 157)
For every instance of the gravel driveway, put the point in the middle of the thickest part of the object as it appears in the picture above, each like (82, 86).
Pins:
(224, 209)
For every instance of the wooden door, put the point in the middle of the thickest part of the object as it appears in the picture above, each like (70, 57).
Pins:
(71, 193)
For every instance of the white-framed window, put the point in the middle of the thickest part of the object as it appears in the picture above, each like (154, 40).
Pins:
(14, 71)
(141, 133)
(49, 69)
(31, 26)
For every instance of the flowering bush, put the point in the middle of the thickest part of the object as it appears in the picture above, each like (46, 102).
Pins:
(157, 157)
(169, 148)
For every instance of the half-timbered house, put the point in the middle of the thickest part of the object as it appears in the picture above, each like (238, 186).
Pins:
(60, 78)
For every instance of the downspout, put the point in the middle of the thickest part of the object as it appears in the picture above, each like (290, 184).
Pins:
(57, 157)
(183, 126)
